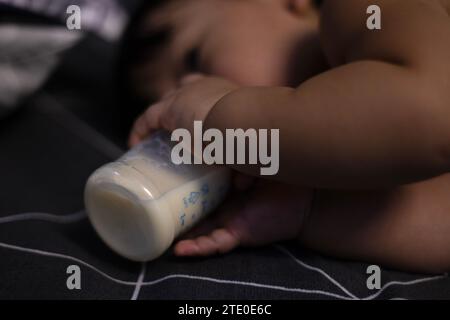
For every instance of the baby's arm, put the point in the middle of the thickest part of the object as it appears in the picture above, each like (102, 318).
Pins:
(365, 124)
(380, 118)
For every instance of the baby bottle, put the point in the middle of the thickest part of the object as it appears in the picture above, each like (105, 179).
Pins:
(140, 203)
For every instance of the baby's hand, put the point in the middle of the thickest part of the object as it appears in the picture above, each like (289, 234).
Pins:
(271, 212)
(192, 101)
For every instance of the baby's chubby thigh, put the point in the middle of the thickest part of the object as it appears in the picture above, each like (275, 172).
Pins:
(405, 227)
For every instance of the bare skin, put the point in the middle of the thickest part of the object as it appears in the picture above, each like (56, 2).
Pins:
(378, 118)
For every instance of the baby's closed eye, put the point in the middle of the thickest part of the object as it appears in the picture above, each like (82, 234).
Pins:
(191, 61)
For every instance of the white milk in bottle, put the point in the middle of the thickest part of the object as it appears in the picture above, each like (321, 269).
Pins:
(140, 203)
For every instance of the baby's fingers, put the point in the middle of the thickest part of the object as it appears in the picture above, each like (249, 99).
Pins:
(149, 121)
(138, 131)
(219, 241)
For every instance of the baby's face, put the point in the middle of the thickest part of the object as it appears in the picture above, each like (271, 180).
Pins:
(251, 42)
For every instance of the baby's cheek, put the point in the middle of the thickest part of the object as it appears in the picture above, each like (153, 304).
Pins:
(247, 68)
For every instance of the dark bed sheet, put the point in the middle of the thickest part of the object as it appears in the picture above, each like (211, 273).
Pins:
(46, 155)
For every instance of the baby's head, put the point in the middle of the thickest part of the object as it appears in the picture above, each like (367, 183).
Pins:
(252, 42)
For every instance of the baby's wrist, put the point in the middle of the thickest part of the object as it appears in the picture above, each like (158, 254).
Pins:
(221, 103)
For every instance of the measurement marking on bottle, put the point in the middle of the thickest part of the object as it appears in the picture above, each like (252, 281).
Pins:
(182, 216)
(194, 196)
(205, 189)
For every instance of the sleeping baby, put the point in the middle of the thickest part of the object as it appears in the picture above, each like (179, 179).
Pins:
(364, 121)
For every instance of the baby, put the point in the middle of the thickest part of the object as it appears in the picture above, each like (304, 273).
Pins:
(364, 121)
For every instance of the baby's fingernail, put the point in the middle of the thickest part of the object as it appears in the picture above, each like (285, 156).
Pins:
(185, 249)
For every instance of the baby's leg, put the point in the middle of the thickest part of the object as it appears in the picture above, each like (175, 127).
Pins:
(407, 227)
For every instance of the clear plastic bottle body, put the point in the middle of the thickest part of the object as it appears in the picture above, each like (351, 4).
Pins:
(142, 202)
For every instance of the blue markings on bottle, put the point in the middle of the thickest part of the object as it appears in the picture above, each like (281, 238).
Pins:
(204, 204)
(182, 216)
(205, 189)
(193, 197)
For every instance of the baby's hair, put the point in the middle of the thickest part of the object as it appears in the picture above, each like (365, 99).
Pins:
(135, 49)
(135, 39)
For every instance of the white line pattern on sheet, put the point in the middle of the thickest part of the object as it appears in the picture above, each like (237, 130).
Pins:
(373, 296)
(70, 218)
(139, 282)
(404, 283)
(64, 256)
(66, 218)
(172, 276)
(309, 267)
(250, 284)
